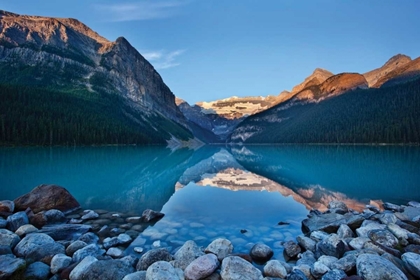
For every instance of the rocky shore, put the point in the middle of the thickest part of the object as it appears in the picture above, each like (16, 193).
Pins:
(45, 235)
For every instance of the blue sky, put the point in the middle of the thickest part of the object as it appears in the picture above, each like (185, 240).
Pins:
(213, 49)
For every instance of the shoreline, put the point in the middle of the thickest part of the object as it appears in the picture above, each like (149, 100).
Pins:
(334, 244)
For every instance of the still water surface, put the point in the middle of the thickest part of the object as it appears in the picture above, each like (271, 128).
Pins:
(218, 191)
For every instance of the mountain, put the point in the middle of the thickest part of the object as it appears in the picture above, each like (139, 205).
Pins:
(340, 110)
(376, 77)
(79, 88)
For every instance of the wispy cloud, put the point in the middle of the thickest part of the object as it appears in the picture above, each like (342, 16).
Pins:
(163, 59)
(140, 10)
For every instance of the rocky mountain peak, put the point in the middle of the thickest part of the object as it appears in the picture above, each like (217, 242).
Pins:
(320, 74)
(377, 77)
(398, 59)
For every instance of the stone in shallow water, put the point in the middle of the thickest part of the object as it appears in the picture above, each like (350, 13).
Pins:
(261, 252)
(186, 254)
(115, 252)
(236, 268)
(372, 267)
(221, 247)
(297, 274)
(55, 216)
(412, 263)
(150, 215)
(108, 270)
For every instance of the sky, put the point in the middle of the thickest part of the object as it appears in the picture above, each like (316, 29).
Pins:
(212, 49)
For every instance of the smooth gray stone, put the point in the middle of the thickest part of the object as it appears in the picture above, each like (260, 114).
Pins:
(274, 268)
(186, 254)
(107, 270)
(138, 275)
(73, 247)
(59, 262)
(17, 220)
(25, 229)
(344, 231)
(306, 243)
(332, 246)
(89, 238)
(38, 271)
(55, 216)
(32, 242)
(297, 274)
(319, 269)
(65, 231)
(383, 237)
(261, 252)
(90, 250)
(150, 215)
(78, 271)
(8, 238)
(334, 274)
(202, 267)
(236, 268)
(372, 267)
(221, 247)
(291, 250)
(161, 270)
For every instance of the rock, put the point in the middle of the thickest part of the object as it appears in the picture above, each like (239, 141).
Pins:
(383, 237)
(221, 247)
(5, 250)
(358, 243)
(201, 267)
(297, 274)
(133, 220)
(124, 239)
(7, 206)
(261, 252)
(332, 246)
(372, 267)
(387, 218)
(319, 269)
(306, 269)
(346, 263)
(17, 220)
(327, 260)
(107, 270)
(150, 215)
(334, 274)
(59, 262)
(138, 250)
(31, 243)
(274, 268)
(153, 256)
(366, 227)
(78, 271)
(392, 207)
(90, 215)
(162, 270)
(306, 243)
(55, 216)
(413, 238)
(236, 268)
(46, 197)
(37, 270)
(412, 248)
(89, 238)
(110, 242)
(3, 223)
(409, 213)
(65, 231)
(186, 254)
(156, 244)
(318, 235)
(115, 252)
(90, 250)
(10, 266)
(329, 223)
(344, 231)
(338, 207)
(412, 263)
(397, 231)
(73, 247)
(398, 263)
(139, 275)
(8, 238)
(291, 250)
(414, 204)
(25, 229)
(45, 252)
(306, 258)
(38, 220)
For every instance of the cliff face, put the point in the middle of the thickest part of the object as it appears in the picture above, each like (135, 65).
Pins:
(377, 75)
(65, 53)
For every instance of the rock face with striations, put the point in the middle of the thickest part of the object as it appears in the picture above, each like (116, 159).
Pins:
(377, 75)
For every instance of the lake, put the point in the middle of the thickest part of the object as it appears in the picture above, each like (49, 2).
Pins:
(241, 193)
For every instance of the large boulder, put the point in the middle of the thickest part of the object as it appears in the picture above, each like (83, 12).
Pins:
(37, 246)
(221, 247)
(186, 254)
(9, 265)
(107, 270)
(46, 197)
(236, 268)
(373, 267)
(153, 256)
(77, 273)
(201, 267)
(38, 271)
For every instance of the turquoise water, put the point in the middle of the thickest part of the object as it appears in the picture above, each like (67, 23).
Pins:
(218, 191)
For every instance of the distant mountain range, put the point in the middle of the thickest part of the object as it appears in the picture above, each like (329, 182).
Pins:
(63, 84)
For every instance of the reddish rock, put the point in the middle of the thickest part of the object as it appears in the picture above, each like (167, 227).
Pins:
(46, 197)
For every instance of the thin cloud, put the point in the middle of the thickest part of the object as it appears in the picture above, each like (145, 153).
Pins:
(141, 10)
(163, 59)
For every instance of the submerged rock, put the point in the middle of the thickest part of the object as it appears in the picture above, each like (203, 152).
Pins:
(221, 247)
(261, 252)
(150, 215)
(46, 197)
(291, 250)
(186, 254)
